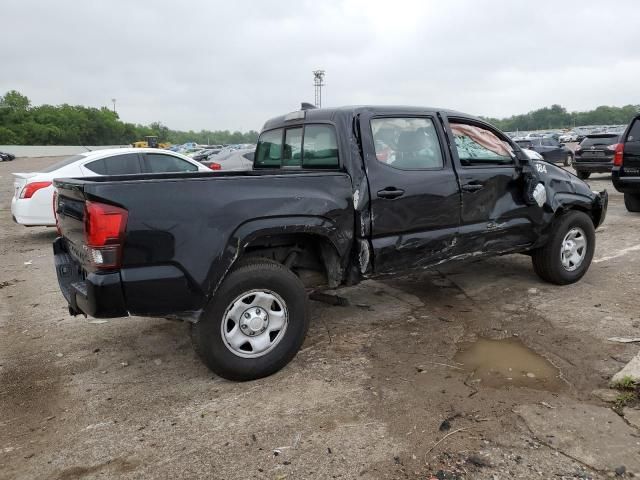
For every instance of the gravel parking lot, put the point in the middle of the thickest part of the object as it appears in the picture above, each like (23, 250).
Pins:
(472, 370)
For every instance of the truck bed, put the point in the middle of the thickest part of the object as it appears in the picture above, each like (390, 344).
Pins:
(180, 236)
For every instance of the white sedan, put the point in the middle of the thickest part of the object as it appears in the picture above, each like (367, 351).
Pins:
(32, 202)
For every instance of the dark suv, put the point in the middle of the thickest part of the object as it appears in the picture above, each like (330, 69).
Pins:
(595, 153)
(550, 149)
(626, 166)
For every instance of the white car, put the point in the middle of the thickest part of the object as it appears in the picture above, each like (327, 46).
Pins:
(532, 154)
(568, 137)
(32, 203)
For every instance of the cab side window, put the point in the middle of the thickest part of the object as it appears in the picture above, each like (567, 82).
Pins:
(634, 133)
(407, 143)
(478, 146)
(320, 147)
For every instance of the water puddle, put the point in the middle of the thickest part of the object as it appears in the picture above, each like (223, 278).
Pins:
(507, 362)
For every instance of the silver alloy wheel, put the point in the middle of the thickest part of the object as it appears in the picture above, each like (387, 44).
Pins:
(254, 323)
(573, 249)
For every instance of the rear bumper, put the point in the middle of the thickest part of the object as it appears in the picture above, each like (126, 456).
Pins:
(625, 184)
(156, 291)
(595, 167)
(27, 212)
(99, 295)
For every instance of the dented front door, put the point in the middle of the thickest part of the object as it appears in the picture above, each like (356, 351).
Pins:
(494, 215)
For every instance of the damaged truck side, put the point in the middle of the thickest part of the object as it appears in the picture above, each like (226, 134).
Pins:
(335, 196)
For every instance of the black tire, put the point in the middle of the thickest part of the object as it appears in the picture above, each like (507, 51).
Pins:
(547, 261)
(568, 161)
(582, 175)
(251, 275)
(632, 202)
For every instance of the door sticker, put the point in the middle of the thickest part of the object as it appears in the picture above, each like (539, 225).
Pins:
(541, 168)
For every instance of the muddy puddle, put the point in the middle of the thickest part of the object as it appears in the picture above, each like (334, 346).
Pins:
(507, 362)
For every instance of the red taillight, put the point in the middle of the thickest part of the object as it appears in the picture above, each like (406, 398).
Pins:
(104, 228)
(619, 153)
(215, 166)
(31, 188)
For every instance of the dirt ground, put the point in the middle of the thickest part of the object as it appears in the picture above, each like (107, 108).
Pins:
(378, 391)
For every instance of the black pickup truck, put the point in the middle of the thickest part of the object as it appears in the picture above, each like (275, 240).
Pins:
(335, 196)
(626, 165)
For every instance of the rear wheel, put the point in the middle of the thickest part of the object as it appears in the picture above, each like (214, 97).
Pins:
(632, 202)
(255, 324)
(566, 256)
(582, 175)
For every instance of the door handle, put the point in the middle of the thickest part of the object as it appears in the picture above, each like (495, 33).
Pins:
(390, 192)
(472, 187)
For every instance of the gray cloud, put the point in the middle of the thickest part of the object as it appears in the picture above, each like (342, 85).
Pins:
(212, 64)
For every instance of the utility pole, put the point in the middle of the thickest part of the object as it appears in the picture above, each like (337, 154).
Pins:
(113, 100)
(318, 83)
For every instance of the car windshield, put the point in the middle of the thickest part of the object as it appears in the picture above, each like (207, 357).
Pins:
(62, 163)
(604, 140)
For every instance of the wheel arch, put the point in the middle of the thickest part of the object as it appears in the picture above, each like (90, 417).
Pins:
(298, 242)
(565, 202)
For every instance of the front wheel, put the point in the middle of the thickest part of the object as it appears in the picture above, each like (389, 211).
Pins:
(566, 256)
(582, 175)
(568, 161)
(632, 202)
(256, 322)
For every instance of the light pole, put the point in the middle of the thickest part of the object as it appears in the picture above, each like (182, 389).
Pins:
(113, 100)
(318, 83)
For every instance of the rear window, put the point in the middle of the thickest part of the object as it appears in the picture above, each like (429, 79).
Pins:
(599, 141)
(63, 163)
(310, 146)
(268, 151)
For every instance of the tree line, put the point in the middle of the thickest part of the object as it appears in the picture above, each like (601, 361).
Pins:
(24, 124)
(556, 117)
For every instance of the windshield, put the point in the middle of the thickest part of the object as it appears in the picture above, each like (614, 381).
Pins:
(595, 141)
(62, 163)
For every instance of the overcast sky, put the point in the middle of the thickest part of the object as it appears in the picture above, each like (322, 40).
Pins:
(233, 64)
